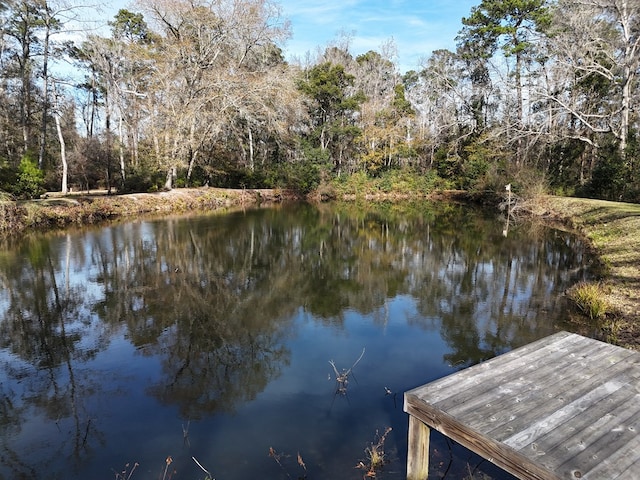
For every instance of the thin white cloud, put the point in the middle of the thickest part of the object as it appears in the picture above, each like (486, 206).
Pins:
(416, 28)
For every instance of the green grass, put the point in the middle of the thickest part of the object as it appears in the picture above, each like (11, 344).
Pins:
(590, 298)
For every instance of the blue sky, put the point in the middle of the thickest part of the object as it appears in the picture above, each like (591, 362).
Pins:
(417, 27)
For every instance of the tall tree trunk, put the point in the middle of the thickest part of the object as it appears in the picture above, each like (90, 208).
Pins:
(171, 175)
(519, 109)
(109, 137)
(45, 86)
(94, 104)
(250, 135)
(134, 135)
(25, 93)
(193, 157)
(631, 46)
(63, 154)
(193, 153)
(121, 150)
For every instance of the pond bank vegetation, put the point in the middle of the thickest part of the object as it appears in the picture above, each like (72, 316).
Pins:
(59, 211)
(613, 228)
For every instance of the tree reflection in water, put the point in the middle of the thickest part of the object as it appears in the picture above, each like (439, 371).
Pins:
(112, 338)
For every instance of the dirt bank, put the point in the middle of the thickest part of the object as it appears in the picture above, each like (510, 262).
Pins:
(85, 208)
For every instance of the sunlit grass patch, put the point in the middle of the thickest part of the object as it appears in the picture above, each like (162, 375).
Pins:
(590, 298)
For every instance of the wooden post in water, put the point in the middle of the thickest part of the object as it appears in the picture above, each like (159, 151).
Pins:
(418, 451)
(564, 407)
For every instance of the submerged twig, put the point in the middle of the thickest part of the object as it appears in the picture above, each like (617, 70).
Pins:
(301, 462)
(388, 392)
(124, 475)
(276, 456)
(168, 462)
(185, 434)
(203, 469)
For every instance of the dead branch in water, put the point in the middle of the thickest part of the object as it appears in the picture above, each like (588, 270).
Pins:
(342, 378)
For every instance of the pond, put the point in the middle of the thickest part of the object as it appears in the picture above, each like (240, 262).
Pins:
(266, 343)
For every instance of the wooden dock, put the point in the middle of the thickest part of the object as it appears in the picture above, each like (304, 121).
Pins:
(564, 407)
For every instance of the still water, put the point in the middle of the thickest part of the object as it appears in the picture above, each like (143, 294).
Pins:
(141, 346)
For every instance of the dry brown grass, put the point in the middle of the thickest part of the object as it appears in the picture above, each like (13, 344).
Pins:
(81, 208)
(376, 456)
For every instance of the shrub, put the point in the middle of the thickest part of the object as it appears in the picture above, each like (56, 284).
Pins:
(610, 176)
(142, 180)
(447, 164)
(8, 176)
(473, 172)
(30, 179)
(302, 177)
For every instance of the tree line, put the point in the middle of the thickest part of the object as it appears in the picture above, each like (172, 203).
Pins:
(538, 93)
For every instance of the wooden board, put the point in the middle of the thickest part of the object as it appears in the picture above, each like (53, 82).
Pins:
(564, 407)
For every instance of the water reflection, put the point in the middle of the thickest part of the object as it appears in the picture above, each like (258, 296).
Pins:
(225, 322)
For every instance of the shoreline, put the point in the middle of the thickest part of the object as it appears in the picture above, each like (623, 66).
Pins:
(612, 228)
(55, 211)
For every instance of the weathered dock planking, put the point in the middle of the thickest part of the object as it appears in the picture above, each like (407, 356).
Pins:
(564, 407)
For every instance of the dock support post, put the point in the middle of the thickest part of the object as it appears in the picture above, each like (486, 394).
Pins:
(418, 450)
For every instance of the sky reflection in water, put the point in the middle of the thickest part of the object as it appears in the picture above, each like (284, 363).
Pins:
(211, 336)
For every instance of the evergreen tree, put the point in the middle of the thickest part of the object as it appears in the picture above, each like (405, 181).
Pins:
(332, 109)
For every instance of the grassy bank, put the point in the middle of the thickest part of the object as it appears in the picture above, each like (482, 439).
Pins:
(613, 228)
